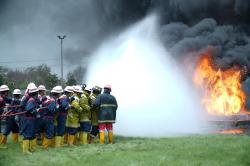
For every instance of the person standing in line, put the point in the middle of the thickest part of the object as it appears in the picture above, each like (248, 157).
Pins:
(85, 114)
(72, 121)
(64, 106)
(29, 121)
(11, 123)
(49, 116)
(96, 90)
(107, 106)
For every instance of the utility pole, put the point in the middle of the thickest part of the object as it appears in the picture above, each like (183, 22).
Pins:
(61, 38)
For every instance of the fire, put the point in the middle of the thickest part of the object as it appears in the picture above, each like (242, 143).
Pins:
(231, 131)
(222, 89)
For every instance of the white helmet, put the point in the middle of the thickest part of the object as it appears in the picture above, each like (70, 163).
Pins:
(41, 87)
(78, 89)
(69, 89)
(87, 88)
(32, 88)
(57, 89)
(4, 88)
(31, 85)
(17, 92)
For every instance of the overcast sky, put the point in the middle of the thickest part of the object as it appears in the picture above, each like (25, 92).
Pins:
(29, 29)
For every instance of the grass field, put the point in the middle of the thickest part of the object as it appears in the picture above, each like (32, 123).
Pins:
(208, 150)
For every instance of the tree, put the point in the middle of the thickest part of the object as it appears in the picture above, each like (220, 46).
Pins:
(42, 75)
(2, 75)
(71, 80)
(1, 79)
(79, 73)
(20, 78)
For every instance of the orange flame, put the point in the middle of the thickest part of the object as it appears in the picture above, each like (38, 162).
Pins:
(222, 89)
(231, 131)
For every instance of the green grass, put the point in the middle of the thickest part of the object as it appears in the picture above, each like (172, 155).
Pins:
(206, 150)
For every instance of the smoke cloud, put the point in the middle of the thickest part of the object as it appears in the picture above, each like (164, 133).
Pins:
(232, 43)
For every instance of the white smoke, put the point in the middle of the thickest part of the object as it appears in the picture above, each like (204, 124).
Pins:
(153, 96)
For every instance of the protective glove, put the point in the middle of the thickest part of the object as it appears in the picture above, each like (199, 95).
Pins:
(72, 98)
(5, 109)
(33, 111)
(68, 107)
(17, 119)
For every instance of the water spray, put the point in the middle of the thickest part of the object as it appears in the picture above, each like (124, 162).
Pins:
(153, 96)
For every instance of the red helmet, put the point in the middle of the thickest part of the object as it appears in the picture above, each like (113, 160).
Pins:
(107, 87)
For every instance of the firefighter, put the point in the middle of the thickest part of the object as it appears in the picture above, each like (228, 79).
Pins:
(64, 105)
(31, 108)
(40, 123)
(78, 90)
(96, 90)
(4, 90)
(87, 92)
(23, 103)
(72, 121)
(11, 123)
(49, 116)
(107, 106)
(85, 124)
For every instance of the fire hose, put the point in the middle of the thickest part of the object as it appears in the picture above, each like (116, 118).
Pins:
(9, 106)
(8, 114)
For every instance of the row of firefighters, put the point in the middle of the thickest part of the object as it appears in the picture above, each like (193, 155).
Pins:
(73, 115)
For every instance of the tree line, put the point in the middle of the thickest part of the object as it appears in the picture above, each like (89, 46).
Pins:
(42, 74)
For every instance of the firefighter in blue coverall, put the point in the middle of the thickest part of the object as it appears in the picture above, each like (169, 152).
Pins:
(64, 105)
(11, 123)
(40, 123)
(4, 90)
(49, 116)
(20, 118)
(31, 108)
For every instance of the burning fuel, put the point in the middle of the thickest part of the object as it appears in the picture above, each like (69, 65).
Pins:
(231, 131)
(222, 89)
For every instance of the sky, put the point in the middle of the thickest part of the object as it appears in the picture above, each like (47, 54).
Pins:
(29, 29)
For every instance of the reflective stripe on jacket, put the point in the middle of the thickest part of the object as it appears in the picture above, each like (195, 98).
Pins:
(107, 106)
